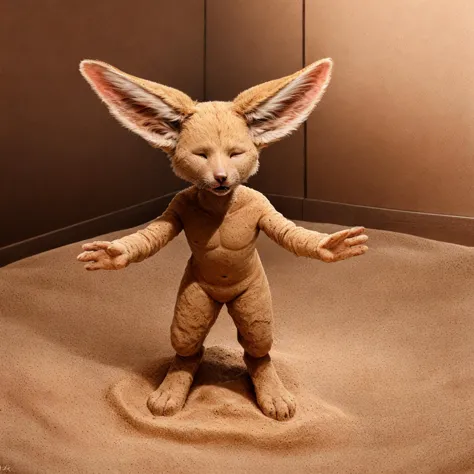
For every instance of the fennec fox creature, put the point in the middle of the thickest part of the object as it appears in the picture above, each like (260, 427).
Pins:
(215, 146)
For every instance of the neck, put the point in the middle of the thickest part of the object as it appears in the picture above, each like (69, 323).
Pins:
(216, 204)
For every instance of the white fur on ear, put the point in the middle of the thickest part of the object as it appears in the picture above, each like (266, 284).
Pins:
(136, 108)
(141, 96)
(285, 111)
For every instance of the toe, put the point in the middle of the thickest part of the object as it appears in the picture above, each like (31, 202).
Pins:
(157, 402)
(171, 407)
(282, 412)
(268, 407)
(291, 403)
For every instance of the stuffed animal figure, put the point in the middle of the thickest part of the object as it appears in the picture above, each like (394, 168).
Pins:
(215, 146)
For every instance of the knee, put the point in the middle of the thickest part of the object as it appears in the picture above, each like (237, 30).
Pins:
(184, 345)
(258, 348)
(186, 350)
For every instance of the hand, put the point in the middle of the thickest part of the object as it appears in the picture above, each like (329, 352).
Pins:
(104, 256)
(343, 244)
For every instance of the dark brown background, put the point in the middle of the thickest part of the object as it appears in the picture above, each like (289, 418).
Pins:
(396, 129)
(389, 146)
(64, 158)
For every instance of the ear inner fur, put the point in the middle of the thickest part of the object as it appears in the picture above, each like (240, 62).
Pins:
(151, 110)
(276, 108)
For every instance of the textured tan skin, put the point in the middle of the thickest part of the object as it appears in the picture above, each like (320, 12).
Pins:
(221, 229)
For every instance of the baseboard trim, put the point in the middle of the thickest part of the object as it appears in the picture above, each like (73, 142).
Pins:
(290, 206)
(447, 228)
(443, 227)
(124, 218)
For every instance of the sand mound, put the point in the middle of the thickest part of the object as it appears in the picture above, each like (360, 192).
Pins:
(221, 408)
(377, 350)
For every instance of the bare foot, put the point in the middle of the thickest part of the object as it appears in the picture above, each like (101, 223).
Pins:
(170, 396)
(272, 397)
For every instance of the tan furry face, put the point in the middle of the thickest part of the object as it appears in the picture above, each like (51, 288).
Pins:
(215, 150)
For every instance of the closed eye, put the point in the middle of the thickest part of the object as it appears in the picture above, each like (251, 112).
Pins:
(236, 153)
(202, 155)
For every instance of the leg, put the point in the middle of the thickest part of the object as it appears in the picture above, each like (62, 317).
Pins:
(253, 316)
(195, 313)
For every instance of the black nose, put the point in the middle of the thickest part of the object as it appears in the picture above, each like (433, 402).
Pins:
(220, 179)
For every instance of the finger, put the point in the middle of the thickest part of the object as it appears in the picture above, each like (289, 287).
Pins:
(333, 239)
(353, 231)
(359, 249)
(93, 266)
(103, 264)
(338, 237)
(97, 245)
(360, 239)
(114, 250)
(349, 253)
(89, 256)
(355, 251)
(326, 255)
(82, 256)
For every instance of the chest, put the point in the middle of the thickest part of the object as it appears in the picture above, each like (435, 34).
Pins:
(234, 231)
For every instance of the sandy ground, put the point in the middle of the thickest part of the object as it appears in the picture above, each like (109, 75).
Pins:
(378, 351)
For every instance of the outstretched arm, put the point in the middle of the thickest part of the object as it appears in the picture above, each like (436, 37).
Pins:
(146, 242)
(135, 247)
(308, 243)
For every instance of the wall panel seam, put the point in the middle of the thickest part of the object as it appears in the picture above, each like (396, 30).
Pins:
(305, 127)
(204, 71)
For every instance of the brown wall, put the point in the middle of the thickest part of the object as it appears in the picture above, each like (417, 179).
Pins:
(390, 145)
(64, 159)
(394, 130)
(396, 127)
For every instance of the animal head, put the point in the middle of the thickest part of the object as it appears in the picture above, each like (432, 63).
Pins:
(214, 145)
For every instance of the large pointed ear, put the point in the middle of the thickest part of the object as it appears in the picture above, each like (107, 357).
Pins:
(276, 108)
(153, 111)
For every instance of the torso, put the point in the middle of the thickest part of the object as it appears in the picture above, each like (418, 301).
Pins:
(223, 244)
